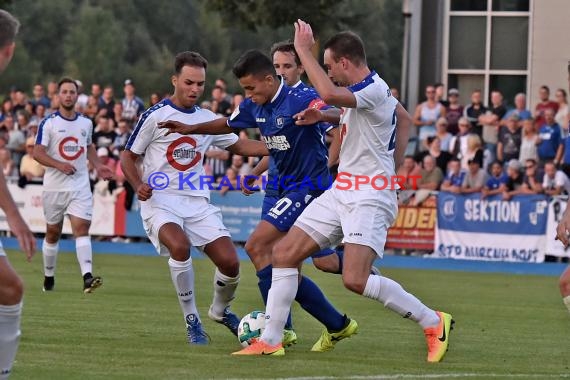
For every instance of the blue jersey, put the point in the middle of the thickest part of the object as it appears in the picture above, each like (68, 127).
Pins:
(298, 153)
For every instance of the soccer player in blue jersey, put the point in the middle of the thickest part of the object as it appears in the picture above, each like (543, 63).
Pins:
(300, 157)
(11, 287)
(374, 130)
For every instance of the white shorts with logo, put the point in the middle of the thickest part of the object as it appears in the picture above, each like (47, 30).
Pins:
(57, 204)
(200, 220)
(353, 216)
(2, 252)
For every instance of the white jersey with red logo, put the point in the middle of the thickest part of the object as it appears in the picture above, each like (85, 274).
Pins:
(172, 163)
(66, 140)
(368, 131)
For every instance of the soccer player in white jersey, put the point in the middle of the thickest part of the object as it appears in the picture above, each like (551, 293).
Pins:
(563, 234)
(63, 146)
(175, 207)
(11, 287)
(374, 132)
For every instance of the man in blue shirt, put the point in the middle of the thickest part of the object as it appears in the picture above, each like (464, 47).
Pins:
(300, 157)
(551, 146)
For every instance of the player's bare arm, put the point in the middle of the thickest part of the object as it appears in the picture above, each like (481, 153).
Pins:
(563, 228)
(103, 171)
(313, 115)
(17, 225)
(334, 148)
(41, 156)
(213, 127)
(248, 148)
(331, 94)
(403, 126)
(248, 181)
(131, 172)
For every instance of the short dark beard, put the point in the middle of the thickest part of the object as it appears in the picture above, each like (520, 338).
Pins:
(68, 108)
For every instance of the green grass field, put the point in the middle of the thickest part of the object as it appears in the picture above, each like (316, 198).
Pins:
(132, 328)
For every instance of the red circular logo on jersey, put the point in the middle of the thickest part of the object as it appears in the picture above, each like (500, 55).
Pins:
(176, 154)
(71, 151)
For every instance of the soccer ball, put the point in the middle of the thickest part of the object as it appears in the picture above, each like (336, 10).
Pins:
(250, 327)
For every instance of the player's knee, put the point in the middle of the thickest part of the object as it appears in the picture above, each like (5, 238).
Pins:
(12, 292)
(256, 250)
(353, 283)
(230, 267)
(280, 255)
(179, 250)
(564, 285)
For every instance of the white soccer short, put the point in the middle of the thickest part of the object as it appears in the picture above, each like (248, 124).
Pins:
(57, 204)
(2, 252)
(359, 217)
(200, 220)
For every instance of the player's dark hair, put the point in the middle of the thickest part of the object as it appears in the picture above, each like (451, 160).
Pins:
(347, 45)
(67, 80)
(285, 47)
(189, 58)
(9, 27)
(253, 62)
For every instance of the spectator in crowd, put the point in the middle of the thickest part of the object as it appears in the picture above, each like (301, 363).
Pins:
(51, 90)
(38, 115)
(6, 109)
(458, 144)
(454, 111)
(474, 145)
(544, 104)
(555, 182)
(219, 98)
(221, 82)
(411, 171)
(6, 163)
(242, 168)
(476, 177)
(236, 101)
(105, 134)
(96, 91)
(474, 110)
(396, 94)
(123, 134)
(510, 140)
(440, 94)
(529, 141)
(39, 96)
(20, 100)
(431, 178)
(82, 98)
(454, 178)
(441, 157)
(22, 120)
(561, 116)
(550, 144)
(497, 182)
(519, 110)
(30, 169)
(426, 115)
(154, 99)
(16, 140)
(118, 111)
(514, 185)
(92, 107)
(490, 121)
(532, 181)
(133, 106)
(107, 102)
(216, 162)
(441, 132)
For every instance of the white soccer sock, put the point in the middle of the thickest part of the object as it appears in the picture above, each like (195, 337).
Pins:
(566, 301)
(84, 254)
(182, 274)
(49, 253)
(395, 298)
(9, 337)
(224, 292)
(284, 285)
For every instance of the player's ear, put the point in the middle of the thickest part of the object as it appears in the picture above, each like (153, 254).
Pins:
(173, 80)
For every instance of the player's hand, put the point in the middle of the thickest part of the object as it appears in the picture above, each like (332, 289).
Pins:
(67, 168)
(304, 39)
(308, 117)
(247, 184)
(144, 192)
(104, 172)
(563, 230)
(25, 237)
(173, 126)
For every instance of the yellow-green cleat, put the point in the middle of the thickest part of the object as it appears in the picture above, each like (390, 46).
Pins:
(327, 340)
(289, 337)
(437, 337)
